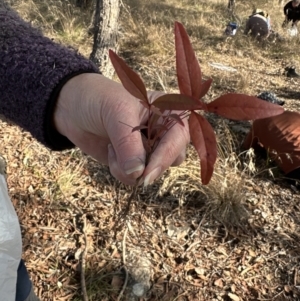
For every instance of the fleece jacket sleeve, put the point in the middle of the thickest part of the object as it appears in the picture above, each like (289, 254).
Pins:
(33, 69)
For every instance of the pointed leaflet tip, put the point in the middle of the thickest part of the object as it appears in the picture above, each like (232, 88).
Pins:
(188, 69)
(176, 118)
(205, 87)
(204, 141)
(130, 79)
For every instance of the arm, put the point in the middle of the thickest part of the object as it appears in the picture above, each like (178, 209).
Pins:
(33, 69)
(59, 97)
(285, 9)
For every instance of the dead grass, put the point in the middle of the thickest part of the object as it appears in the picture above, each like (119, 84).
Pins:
(235, 239)
(60, 20)
(151, 42)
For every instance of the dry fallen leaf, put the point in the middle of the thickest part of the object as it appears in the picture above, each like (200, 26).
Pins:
(233, 288)
(287, 288)
(233, 297)
(219, 282)
(200, 271)
(252, 253)
(222, 250)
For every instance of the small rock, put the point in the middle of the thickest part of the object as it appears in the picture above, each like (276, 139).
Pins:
(138, 289)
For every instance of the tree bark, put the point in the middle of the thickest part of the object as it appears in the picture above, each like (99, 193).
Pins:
(105, 33)
(231, 4)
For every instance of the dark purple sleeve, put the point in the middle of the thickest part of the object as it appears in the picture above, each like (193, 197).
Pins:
(33, 70)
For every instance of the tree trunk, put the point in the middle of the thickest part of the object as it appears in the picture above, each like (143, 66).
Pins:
(105, 34)
(231, 5)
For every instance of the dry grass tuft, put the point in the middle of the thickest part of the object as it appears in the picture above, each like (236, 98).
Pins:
(60, 20)
(225, 199)
(226, 193)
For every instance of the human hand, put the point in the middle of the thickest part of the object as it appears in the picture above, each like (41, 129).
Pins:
(98, 114)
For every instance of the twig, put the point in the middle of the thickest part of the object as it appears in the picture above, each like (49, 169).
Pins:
(129, 200)
(124, 265)
(83, 256)
(191, 246)
(126, 211)
(204, 216)
(122, 218)
(124, 7)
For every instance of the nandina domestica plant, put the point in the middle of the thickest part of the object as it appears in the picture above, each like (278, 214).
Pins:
(169, 109)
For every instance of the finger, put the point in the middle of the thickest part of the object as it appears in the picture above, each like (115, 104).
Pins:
(115, 169)
(180, 158)
(91, 144)
(170, 151)
(127, 145)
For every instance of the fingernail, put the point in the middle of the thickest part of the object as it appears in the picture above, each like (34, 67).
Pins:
(149, 179)
(133, 165)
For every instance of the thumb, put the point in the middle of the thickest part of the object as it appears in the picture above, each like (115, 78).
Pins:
(126, 153)
(136, 170)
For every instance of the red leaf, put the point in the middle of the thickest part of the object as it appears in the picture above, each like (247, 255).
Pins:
(139, 127)
(178, 102)
(160, 127)
(176, 118)
(243, 107)
(188, 70)
(204, 141)
(155, 110)
(130, 79)
(153, 120)
(144, 104)
(205, 87)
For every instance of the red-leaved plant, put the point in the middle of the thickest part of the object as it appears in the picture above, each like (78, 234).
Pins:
(192, 88)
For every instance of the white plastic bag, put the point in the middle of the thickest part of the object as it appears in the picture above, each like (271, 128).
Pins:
(293, 31)
(10, 245)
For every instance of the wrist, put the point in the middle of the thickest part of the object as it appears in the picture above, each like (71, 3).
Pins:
(58, 121)
(61, 112)
(67, 103)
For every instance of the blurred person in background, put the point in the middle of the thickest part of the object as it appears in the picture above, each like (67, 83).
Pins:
(258, 24)
(292, 13)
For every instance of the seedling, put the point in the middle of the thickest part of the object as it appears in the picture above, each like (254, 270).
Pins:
(169, 109)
